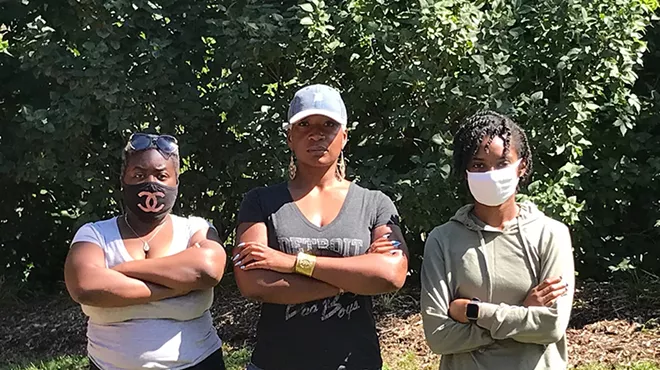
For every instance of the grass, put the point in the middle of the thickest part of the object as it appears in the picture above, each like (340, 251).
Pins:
(407, 362)
(58, 363)
(645, 365)
(237, 358)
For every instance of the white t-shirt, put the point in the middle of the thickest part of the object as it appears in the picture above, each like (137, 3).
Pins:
(173, 333)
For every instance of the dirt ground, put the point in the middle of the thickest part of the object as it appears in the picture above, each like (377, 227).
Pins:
(611, 324)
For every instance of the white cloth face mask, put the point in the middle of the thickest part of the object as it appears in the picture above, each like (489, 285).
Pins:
(495, 187)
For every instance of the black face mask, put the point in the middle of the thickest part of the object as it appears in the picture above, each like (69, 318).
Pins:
(150, 201)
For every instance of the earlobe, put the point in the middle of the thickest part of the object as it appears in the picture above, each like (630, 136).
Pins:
(522, 169)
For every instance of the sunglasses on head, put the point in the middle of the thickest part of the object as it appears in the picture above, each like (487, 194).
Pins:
(167, 144)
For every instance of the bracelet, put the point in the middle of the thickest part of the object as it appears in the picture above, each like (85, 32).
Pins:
(305, 264)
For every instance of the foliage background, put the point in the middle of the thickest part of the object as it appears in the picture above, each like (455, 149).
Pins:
(77, 77)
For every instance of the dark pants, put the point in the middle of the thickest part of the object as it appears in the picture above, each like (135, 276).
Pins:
(213, 362)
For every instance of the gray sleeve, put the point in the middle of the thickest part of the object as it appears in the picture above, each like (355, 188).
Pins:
(251, 210)
(444, 336)
(386, 213)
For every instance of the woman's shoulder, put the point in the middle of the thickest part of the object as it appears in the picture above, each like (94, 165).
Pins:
(374, 194)
(446, 230)
(95, 231)
(532, 215)
(455, 226)
(266, 190)
(101, 225)
(191, 222)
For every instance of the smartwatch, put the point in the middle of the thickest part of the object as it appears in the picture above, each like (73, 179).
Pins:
(472, 310)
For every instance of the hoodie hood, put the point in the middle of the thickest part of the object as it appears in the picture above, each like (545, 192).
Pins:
(528, 214)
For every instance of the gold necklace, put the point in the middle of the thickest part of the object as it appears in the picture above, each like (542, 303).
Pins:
(145, 244)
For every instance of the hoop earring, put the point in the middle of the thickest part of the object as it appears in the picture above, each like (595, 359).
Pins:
(292, 168)
(341, 167)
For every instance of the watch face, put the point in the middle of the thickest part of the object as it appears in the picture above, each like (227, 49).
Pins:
(472, 311)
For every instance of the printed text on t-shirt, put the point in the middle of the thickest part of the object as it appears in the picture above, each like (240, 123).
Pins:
(329, 308)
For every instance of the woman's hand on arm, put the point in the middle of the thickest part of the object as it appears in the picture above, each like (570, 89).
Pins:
(543, 295)
(90, 283)
(545, 317)
(198, 267)
(269, 285)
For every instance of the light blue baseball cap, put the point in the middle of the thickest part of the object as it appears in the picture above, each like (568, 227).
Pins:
(317, 99)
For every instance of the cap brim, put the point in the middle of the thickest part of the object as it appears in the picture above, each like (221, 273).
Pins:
(312, 112)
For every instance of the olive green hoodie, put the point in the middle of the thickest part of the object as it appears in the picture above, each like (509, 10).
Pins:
(465, 258)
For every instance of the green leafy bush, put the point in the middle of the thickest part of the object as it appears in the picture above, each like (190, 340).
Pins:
(79, 76)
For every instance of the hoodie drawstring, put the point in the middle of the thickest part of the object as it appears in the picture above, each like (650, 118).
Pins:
(489, 287)
(527, 250)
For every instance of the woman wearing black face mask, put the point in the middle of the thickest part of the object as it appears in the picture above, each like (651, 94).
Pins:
(145, 278)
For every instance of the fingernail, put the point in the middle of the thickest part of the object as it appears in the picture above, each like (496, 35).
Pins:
(237, 263)
(396, 243)
(240, 245)
(242, 267)
(235, 257)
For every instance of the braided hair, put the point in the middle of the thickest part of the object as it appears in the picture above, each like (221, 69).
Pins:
(490, 124)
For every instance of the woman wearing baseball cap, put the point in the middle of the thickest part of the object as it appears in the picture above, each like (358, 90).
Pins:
(145, 279)
(315, 249)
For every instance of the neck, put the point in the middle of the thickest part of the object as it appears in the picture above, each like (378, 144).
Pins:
(141, 227)
(499, 215)
(309, 177)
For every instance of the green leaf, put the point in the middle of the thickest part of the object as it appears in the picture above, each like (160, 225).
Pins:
(438, 139)
(478, 58)
(334, 44)
(307, 7)
(306, 21)
(537, 95)
(503, 69)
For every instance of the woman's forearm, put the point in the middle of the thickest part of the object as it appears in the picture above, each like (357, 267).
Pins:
(112, 289)
(191, 269)
(368, 274)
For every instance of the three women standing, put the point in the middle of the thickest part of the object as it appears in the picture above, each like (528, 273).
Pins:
(497, 279)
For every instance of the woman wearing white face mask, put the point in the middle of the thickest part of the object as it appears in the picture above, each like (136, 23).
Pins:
(498, 278)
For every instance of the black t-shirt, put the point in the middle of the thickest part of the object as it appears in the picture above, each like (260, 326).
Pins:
(337, 333)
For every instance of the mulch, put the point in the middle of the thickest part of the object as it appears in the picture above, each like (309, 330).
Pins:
(611, 324)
